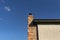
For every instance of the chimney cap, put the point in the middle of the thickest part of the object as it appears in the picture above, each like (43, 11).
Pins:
(30, 13)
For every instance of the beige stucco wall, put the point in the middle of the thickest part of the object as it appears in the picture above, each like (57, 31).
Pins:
(49, 32)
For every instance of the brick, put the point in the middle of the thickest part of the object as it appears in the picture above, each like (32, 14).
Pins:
(31, 29)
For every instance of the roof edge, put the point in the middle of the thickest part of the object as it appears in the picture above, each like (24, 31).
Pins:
(46, 21)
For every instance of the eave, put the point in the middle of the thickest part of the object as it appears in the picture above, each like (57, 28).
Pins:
(46, 21)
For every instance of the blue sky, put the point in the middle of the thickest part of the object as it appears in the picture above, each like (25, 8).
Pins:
(14, 13)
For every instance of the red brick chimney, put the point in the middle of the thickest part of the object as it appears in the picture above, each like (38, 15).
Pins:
(32, 35)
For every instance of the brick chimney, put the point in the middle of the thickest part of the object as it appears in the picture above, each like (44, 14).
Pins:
(31, 29)
(30, 18)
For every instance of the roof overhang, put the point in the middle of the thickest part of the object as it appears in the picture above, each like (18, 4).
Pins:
(46, 21)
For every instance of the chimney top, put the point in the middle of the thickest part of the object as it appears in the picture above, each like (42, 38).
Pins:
(30, 13)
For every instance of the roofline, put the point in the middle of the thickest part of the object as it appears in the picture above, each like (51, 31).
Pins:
(46, 21)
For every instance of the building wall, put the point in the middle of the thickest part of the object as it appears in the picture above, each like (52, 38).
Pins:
(49, 32)
(45, 32)
(32, 34)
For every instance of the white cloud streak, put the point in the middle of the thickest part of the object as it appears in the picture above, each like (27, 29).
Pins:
(7, 8)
